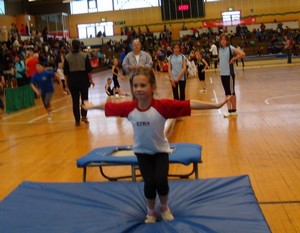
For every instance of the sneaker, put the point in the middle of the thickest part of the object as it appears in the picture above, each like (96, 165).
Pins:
(49, 116)
(150, 218)
(167, 215)
(85, 120)
(228, 114)
(234, 113)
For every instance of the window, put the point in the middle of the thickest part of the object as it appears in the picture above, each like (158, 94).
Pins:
(79, 7)
(91, 30)
(87, 6)
(231, 18)
(134, 4)
(105, 5)
(92, 6)
(2, 7)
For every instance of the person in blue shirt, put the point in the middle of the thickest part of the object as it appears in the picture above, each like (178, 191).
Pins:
(44, 85)
(20, 71)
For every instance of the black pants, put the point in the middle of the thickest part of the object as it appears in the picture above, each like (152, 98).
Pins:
(78, 92)
(181, 84)
(289, 55)
(228, 82)
(154, 170)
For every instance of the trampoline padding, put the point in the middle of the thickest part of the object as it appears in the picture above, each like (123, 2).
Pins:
(208, 205)
(184, 153)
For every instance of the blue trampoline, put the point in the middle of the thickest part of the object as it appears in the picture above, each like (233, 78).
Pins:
(182, 153)
(208, 205)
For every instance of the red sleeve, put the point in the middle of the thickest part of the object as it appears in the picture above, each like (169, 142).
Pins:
(172, 108)
(119, 109)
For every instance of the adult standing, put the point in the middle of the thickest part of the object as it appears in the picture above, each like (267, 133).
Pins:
(136, 58)
(228, 56)
(77, 70)
(177, 70)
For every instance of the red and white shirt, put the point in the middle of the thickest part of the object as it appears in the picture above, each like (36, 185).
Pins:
(148, 125)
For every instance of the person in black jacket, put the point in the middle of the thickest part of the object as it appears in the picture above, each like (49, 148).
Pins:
(77, 70)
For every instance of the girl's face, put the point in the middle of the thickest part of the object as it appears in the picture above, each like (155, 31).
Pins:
(116, 62)
(223, 42)
(142, 88)
(176, 49)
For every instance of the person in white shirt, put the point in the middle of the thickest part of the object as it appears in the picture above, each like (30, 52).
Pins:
(215, 56)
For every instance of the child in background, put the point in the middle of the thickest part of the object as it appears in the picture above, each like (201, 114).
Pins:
(45, 89)
(201, 66)
(60, 72)
(2, 86)
(148, 117)
(109, 91)
(116, 74)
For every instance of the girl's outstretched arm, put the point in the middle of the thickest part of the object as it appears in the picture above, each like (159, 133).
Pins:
(201, 105)
(89, 105)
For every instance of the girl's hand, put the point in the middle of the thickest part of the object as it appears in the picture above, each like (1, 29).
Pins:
(38, 94)
(227, 99)
(173, 82)
(224, 101)
(92, 84)
(232, 61)
(87, 105)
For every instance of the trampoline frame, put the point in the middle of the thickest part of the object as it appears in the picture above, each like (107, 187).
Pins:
(134, 168)
(134, 165)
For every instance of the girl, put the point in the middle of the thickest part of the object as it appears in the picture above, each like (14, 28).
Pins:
(201, 66)
(148, 116)
(115, 72)
(108, 90)
(177, 69)
(60, 71)
(228, 56)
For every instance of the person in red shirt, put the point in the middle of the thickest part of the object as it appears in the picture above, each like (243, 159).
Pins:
(23, 30)
(30, 63)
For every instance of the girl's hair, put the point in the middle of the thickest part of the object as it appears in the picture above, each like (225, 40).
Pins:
(176, 44)
(148, 72)
(227, 38)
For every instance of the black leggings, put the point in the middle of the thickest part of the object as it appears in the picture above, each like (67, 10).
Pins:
(228, 82)
(181, 84)
(154, 170)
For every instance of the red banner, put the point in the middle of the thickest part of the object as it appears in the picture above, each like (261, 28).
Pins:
(221, 23)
